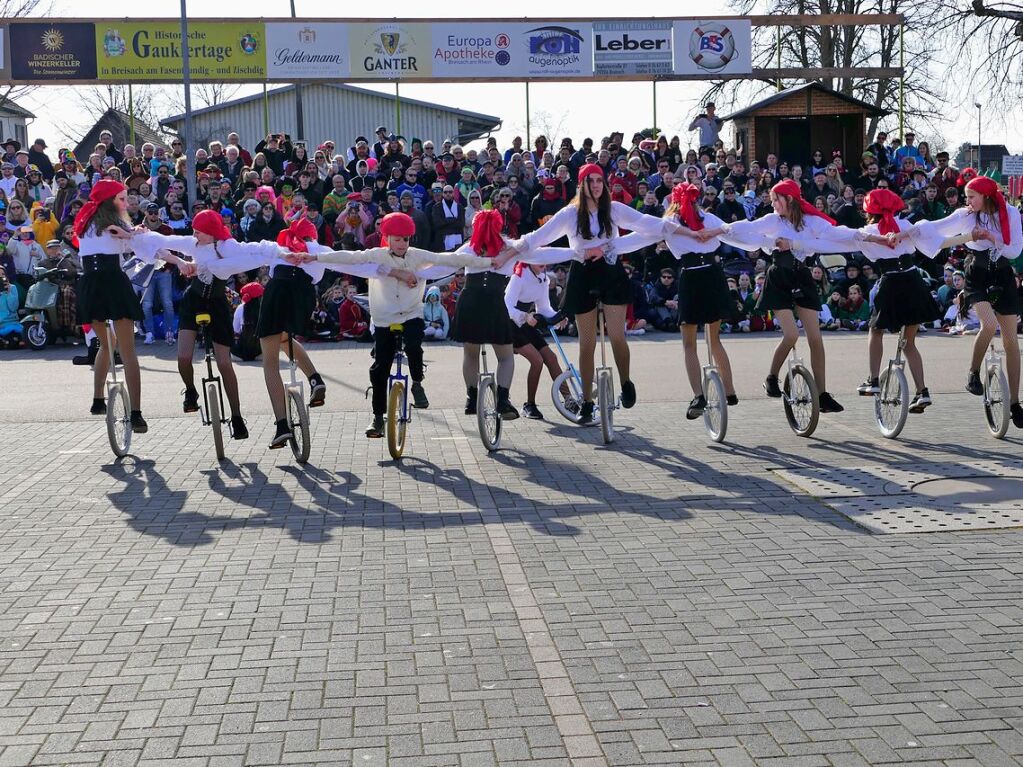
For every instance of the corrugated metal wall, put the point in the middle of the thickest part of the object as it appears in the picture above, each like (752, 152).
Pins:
(331, 113)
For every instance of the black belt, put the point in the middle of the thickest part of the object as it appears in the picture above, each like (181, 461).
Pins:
(900, 264)
(490, 280)
(696, 260)
(208, 290)
(282, 272)
(524, 306)
(101, 262)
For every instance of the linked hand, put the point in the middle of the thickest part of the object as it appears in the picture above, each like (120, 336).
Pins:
(118, 233)
(783, 243)
(594, 254)
(187, 269)
(404, 275)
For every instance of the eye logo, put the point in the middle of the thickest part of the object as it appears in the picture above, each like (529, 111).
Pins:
(554, 41)
(711, 46)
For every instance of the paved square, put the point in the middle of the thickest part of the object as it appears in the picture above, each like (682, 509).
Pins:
(660, 601)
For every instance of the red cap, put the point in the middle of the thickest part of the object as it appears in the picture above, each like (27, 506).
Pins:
(396, 225)
(987, 187)
(250, 291)
(210, 222)
(790, 188)
(884, 203)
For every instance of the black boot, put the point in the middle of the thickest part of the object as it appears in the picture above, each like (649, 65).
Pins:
(89, 358)
(504, 405)
(471, 394)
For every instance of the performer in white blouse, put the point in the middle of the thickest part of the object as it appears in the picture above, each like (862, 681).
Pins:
(793, 233)
(591, 222)
(996, 237)
(105, 293)
(703, 297)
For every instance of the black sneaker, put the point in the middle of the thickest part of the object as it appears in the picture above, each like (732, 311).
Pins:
(376, 429)
(317, 391)
(869, 388)
(138, 423)
(628, 394)
(920, 402)
(732, 400)
(530, 410)
(504, 406)
(282, 436)
(99, 407)
(771, 386)
(1017, 415)
(828, 404)
(973, 384)
(419, 399)
(238, 428)
(191, 403)
(471, 394)
(696, 407)
(586, 415)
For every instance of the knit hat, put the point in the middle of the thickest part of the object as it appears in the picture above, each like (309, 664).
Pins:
(396, 225)
(590, 169)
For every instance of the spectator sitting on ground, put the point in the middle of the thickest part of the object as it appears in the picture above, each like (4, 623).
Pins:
(435, 316)
(10, 325)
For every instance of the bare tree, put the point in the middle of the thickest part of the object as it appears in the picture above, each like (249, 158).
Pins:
(146, 104)
(846, 47)
(17, 9)
(203, 95)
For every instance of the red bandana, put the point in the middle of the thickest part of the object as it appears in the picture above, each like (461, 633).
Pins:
(486, 233)
(884, 203)
(790, 188)
(293, 238)
(104, 190)
(987, 187)
(686, 196)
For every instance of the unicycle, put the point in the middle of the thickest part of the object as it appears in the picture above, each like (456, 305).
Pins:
(568, 405)
(891, 403)
(298, 413)
(606, 398)
(715, 414)
(487, 416)
(212, 412)
(800, 398)
(118, 403)
(996, 394)
(398, 412)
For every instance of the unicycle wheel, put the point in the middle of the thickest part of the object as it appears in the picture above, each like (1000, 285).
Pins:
(214, 416)
(298, 420)
(996, 401)
(119, 419)
(891, 404)
(487, 416)
(715, 414)
(604, 395)
(801, 402)
(396, 424)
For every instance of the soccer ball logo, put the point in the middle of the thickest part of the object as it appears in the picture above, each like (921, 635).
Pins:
(711, 46)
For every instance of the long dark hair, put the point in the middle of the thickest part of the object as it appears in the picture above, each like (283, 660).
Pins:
(582, 219)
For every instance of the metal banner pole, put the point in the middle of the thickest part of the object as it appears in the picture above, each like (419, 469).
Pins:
(902, 82)
(131, 116)
(190, 179)
(299, 111)
(529, 138)
(397, 108)
(655, 105)
(266, 111)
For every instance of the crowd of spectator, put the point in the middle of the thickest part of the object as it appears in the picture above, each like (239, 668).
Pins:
(345, 189)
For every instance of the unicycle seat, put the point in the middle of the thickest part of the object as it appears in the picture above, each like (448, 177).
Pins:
(396, 327)
(203, 319)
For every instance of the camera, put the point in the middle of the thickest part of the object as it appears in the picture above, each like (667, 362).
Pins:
(355, 206)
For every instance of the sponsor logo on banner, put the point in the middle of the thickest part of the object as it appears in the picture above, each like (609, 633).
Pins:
(390, 50)
(301, 51)
(554, 51)
(53, 51)
(713, 47)
(632, 48)
(1012, 165)
(150, 51)
(472, 50)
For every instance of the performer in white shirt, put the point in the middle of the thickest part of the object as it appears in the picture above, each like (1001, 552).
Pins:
(996, 237)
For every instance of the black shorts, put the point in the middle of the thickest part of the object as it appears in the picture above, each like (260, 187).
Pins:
(902, 300)
(789, 284)
(216, 305)
(703, 295)
(107, 294)
(480, 314)
(995, 283)
(527, 335)
(594, 282)
(287, 305)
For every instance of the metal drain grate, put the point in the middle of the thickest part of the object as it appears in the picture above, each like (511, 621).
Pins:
(920, 498)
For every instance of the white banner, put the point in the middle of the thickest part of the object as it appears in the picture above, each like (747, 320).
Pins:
(713, 47)
(632, 48)
(314, 50)
(1012, 165)
(512, 49)
(391, 50)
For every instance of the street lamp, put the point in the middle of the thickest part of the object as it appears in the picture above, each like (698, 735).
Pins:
(979, 169)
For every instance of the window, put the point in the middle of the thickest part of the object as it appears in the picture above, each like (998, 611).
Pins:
(21, 134)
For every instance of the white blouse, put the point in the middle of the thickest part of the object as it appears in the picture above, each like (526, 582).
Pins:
(564, 224)
(873, 251)
(929, 236)
(528, 288)
(93, 244)
(678, 244)
(816, 236)
(223, 259)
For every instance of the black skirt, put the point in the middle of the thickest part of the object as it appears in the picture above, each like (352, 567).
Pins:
(902, 300)
(527, 335)
(287, 305)
(703, 295)
(207, 299)
(480, 314)
(789, 284)
(107, 294)
(595, 281)
(995, 283)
